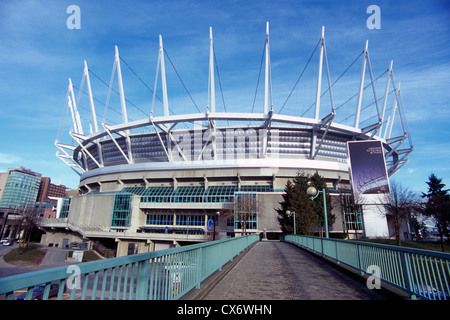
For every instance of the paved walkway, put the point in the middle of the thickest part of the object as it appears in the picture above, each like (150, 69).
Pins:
(274, 270)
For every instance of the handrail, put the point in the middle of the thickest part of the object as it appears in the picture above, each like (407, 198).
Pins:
(420, 273)
(158, 275)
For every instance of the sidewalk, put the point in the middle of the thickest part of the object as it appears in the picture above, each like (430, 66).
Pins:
(274, 270)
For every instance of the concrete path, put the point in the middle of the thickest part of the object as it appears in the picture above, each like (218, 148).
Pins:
(274, 270)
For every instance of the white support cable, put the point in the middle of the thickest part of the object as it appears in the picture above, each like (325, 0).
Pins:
(267, 71)
(65, 155)
(155, 85)
(121, 91)
(361, 86)
(328, 120)
(402, 114)
(75, 115)
(387, 134)
(169, 156)
(330, 85)
(74, 123)
(108, 95)
(70, 165)
(77, 139)
(91, 98)
(399, 140)
(163, 77)
(372, 82)
(319, 75)
(115, 142)
(123, 105)
(211, 84)
(386, 93)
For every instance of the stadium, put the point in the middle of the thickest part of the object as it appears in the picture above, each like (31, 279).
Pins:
(178, 178)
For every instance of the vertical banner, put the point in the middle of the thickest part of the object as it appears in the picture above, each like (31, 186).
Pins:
(370, 184)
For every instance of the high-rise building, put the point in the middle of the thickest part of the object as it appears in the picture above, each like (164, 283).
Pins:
(20, 189)
(48, 189)
(23, 191)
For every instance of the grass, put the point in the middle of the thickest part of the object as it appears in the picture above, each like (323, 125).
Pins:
(90, 255)
(32, 255)
(434, 246)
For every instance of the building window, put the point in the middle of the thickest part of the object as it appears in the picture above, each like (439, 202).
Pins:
(188, 194)
(160, 219)
(190, 220)
(245, 211)
(351, 213)
(65, 207)
(122, 210)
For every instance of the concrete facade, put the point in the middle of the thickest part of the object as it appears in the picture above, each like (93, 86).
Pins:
(91, 214)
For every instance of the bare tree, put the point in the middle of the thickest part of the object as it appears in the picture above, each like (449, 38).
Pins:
(399, 205)
(245, 209)
(25, 220)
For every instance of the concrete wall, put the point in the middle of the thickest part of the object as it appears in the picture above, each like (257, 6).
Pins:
(91, 210)
(267, 216)
(55, 238)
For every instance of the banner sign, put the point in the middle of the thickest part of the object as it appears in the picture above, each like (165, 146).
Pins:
(370, 184)
(367, 167)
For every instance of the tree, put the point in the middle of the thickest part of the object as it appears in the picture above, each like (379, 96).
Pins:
(437, 205)
(245, 210)
(319, 183)
(307, 213)
(28, 221)
(399, 206)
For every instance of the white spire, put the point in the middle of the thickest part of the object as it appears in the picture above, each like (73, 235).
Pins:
(267, 73)
(212, 89)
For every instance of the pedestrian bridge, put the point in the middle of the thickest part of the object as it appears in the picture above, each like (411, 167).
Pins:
(245, 268)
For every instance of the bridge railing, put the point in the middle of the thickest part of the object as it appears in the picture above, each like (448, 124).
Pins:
(420, 273)
(159, 275)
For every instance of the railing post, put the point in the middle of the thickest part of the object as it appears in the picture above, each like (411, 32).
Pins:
(142, 280)
(199, 267)
(337, 251)
(407, 275)
(358, 250)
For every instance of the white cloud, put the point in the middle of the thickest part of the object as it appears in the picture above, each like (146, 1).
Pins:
(9, 159)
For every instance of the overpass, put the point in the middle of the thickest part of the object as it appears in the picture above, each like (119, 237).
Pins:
(245, 268)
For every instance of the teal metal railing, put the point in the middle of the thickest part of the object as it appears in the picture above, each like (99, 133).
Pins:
(158, 275)
(420, 273)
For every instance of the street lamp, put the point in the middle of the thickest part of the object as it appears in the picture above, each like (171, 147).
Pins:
(313, 193)
(216, 221)
(289, 214)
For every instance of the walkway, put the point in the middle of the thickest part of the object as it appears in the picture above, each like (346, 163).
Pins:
(274, 270)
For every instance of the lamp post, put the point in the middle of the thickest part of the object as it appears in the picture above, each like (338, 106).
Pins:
(289, 214)
(313, 193)
(216, 220)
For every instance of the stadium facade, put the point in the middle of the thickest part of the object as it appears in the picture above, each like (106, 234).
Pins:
(174, 179)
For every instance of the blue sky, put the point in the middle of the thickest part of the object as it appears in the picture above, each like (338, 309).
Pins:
(38, 53)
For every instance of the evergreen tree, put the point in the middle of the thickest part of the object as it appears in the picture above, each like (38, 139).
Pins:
(319, 183)
(438, 205)
(307, 213)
